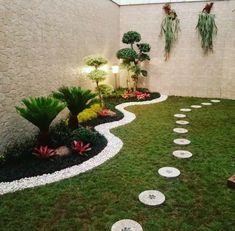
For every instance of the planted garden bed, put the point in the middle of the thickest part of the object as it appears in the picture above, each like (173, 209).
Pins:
(23, 160)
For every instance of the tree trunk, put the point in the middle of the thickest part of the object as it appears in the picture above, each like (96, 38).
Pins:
(43, 137)
(135, 80)
(100, 96)
(73, 121)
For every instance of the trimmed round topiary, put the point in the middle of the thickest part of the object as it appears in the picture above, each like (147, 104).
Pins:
(144, 47)
(97, 75)
(131, 37)
(127, 54)
(105, 89)
(95, 60)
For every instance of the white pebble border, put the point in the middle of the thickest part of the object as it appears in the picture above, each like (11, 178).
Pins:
(114, 145)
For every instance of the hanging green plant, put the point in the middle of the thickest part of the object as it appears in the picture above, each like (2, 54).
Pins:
(170, 28)
(207, 28)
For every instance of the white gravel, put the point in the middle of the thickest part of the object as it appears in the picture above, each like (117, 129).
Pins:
(114, 145)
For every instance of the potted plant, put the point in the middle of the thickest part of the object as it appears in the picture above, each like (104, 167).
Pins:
(170, 28)
(206, 28)
(132, 58)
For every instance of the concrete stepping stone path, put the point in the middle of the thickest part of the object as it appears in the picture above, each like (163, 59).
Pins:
(182, 122)
(215, 100)
(185, 109)
(152, 197)
(182, 141)
(206, 104)
(179, 115)
(169, 172)
(196, 106)
(126, 225)
(182, 154)
(180, 130)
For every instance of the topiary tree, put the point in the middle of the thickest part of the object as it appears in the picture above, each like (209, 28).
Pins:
(41, 111)
(96, 75)
(131, 58)
(170, 28)
(207, 28)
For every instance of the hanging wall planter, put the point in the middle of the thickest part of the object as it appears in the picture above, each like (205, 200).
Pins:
(170, 28)
(207, 28)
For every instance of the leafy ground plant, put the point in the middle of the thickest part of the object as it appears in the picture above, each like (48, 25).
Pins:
(207, 28)
(170, 28)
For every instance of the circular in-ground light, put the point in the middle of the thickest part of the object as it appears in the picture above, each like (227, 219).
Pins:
(126, 225)
(179, 115)
(180, 130)
(182, 122)
(182, 141)
(185, 109)
(169, 172)
(182, 154)
(196, 106)
(152, 197)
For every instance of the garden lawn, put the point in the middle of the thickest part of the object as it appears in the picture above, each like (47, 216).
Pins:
(197, 200)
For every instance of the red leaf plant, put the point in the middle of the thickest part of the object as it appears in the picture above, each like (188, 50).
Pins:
(138, 94)
(106, 112)
(44, 152)
(208, 7)
(81, 148)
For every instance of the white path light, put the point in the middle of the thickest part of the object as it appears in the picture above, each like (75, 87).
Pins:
(126, 225)
(180, 130)
(182, 141)
(152, 197)
(182, 154)
(169, 172)
(185, 109)
(114, 145)
(179, 115)
(215, 100)
(182, 122)
(196, 106)
(206, 104)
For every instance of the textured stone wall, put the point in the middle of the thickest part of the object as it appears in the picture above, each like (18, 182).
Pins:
(42, 43)
(188, 72)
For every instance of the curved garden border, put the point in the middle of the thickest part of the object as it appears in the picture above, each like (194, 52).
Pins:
(114, 145)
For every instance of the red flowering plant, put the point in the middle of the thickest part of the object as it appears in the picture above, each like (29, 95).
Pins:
(137, 94)
(80, 147)
(44, 152)
(106, 112)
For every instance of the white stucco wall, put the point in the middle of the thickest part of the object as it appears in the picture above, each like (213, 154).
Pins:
(42, 43)
(188, 72)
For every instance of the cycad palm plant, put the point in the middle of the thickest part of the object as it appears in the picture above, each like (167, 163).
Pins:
(77, 100)
(207, 28)
(41, 111)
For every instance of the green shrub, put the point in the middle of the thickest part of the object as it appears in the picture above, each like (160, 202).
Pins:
(95, 61)
(106, 90)
(96, 107)
(85, 135)
(87, 114)
(127, 54)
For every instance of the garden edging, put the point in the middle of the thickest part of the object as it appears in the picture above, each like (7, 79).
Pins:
(114, 145)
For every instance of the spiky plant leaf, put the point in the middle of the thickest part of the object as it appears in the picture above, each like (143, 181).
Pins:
(41, 111)
(76, 98)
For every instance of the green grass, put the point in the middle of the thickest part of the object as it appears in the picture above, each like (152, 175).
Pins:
(198, 200)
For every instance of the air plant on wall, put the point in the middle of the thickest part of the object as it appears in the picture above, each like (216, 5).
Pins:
(206, 27)
(170, 28)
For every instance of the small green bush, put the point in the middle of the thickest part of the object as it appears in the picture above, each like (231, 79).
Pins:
(106, 90)
(95, 60)
(127, 54)
(87, 114)
(85, 135)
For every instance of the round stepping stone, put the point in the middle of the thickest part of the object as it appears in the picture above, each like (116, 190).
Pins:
(182, 122)
(206, 104)
(180, 130)
(169, 172)
(185, 109)
(196, 106)
(126, 225)
(179, 115)
(215, 100)
(182, 141)
(182, 154)
(152, 197)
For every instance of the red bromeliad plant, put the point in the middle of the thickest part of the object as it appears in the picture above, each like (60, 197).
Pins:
(81, 148)
(106, 112)
(138, 94)
(44, 152)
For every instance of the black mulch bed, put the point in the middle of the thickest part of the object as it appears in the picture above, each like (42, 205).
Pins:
(33, 166)
(20, 162)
